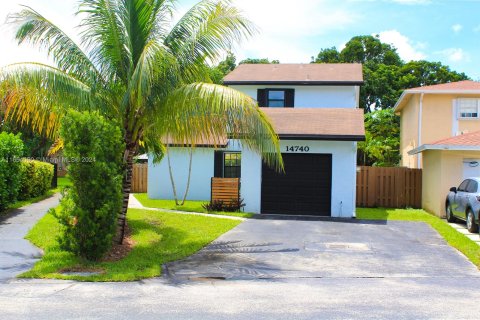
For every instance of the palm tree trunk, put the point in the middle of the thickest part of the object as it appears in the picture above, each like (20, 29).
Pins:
(171, 179)
(189, 175)
(126, 188)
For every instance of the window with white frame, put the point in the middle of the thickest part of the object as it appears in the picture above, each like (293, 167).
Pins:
(468, 108)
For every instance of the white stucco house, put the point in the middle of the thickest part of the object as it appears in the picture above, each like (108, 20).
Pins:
(314, 109)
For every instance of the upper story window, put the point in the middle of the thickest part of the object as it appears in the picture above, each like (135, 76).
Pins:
(468, 108)
(276, 98)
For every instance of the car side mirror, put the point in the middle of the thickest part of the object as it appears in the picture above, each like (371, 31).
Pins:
(453, 189)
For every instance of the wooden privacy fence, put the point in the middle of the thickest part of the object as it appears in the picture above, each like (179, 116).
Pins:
(225, 189)
(139, 178)
(389, 187)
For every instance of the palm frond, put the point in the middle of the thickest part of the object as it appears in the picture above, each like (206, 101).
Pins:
(104, 34)
(37, 95)
(201, 111)
(206, 31)
(33, 28)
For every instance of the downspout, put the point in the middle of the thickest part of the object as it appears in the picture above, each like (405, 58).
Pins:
(420, 114)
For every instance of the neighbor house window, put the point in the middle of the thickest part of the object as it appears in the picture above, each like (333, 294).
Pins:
(232, 164)
(468, 108)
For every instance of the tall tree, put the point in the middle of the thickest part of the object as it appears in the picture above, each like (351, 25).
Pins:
(385, 74)
(149, 78)
(218, 72)
(425, 73)
(259, 61)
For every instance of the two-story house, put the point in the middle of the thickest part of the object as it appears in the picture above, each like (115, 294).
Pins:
(439, 133)
(314, 109)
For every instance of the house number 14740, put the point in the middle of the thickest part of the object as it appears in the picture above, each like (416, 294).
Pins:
(298, 148)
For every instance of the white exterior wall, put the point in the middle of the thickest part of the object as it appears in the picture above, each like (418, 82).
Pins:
(344, 156)
(313, 96)
(159, 185)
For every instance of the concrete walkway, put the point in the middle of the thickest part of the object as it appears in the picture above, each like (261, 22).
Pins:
(462, 228)
(18, 255)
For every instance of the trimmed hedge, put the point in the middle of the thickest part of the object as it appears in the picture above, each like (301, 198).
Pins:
(11, 149)
(35, 178)
(89, 209)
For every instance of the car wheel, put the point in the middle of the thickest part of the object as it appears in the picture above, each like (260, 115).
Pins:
(448, 210)
(471, 225)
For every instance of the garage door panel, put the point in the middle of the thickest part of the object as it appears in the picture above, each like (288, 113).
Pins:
(304, 188)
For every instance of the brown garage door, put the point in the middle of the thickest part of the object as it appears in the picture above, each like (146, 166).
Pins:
(305, 188)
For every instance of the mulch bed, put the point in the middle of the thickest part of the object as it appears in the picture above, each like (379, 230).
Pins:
(120, 251)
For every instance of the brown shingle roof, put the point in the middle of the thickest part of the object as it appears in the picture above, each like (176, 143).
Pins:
(303, 123)
(466, 85)
(467, 139)
(314, 73)
(317, 123)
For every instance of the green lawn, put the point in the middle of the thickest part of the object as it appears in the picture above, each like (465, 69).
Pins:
(454, 238)
(190, 206)
(159, 238)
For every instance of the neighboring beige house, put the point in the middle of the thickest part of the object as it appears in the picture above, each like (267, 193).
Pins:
(440, 132)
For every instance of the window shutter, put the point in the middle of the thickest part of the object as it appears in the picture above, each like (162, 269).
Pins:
(290, 98)
(262, 97)
(218, 164)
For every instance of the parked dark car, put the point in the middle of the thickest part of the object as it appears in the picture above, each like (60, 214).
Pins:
(463, 203)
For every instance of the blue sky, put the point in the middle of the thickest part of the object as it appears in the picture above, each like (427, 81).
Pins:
(293, 31)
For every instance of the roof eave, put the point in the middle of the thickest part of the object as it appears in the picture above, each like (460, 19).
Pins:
(297, 83)
(323, 137)
(426, 147)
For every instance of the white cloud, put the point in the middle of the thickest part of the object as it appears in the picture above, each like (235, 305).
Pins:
(457, 28)
(285, 31)
(477, 28)
(454, 54)
(58, 11)
(405, 47)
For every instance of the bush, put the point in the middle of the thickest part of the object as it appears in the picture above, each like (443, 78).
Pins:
(35, 178)
(220, 206)
(90, 207)
(11, 149)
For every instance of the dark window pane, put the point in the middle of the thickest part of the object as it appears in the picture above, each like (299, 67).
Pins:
(232, 163)
(276, 103)
(276, 95)
(463, 186)
(472, 186)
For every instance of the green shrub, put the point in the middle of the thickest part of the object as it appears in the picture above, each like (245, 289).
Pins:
(221, 206)
(11, 149)
(90, 207)
(35, 178)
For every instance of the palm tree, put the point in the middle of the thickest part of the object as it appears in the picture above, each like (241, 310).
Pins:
(141, 70)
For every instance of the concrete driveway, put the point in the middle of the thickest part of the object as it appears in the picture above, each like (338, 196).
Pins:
(278, 269)
(279, 249)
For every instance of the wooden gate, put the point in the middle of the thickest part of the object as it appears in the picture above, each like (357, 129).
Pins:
(395, 187)
(139, 178)
(225, 189)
